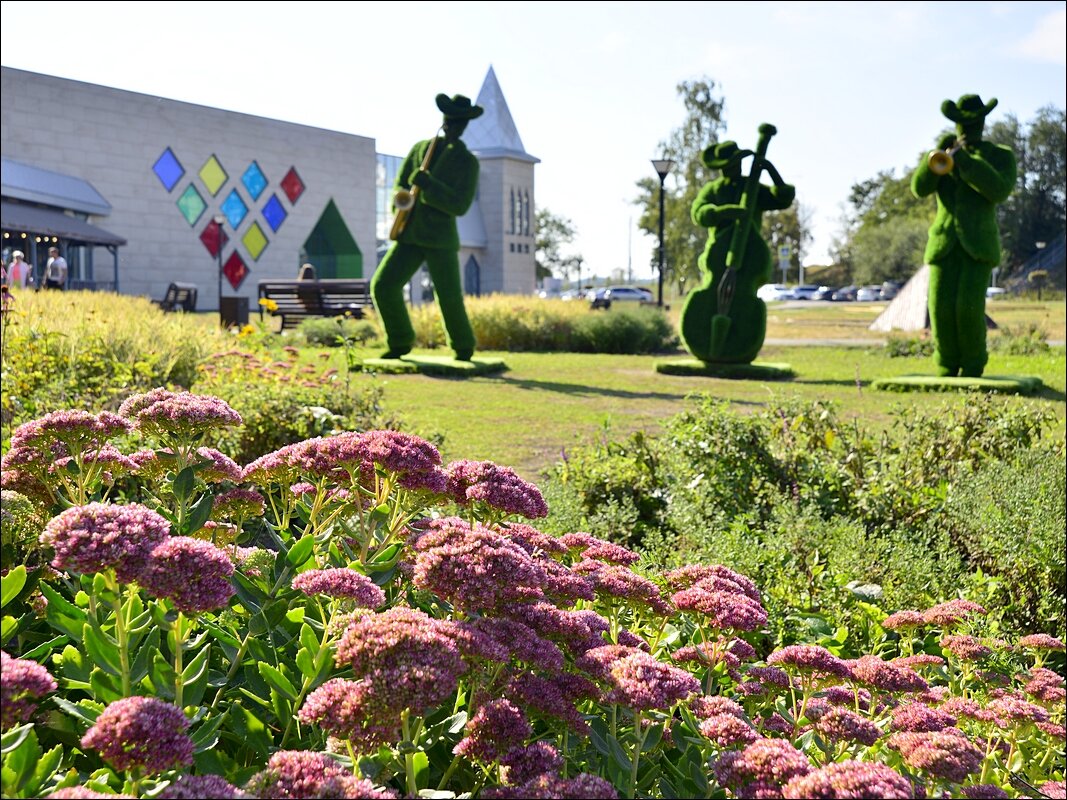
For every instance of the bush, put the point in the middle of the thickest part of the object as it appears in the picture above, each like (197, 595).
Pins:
(334, 332)
(1009, 519)
(1021, 340)
(540, 325)
(909, 347)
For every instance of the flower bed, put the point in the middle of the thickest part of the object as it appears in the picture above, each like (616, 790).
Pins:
(350, 617)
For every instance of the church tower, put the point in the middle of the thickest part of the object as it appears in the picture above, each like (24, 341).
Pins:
(497, 233)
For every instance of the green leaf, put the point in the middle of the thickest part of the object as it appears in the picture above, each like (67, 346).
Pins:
(42, 774)
(306, 663)
(43, 649)
(617, 754)
(194, 677)
(251, 729)
(20, 761)
(8, 626)
(183, 484)
(57, 602)
(308, 639)
(301, 550)
(11, 584)
(277, 680)
(162, 676)
(139, 668)
(199, 513)
(101, 648)
(83, 710)
(11, 740)
(205, 736)
(421, 765)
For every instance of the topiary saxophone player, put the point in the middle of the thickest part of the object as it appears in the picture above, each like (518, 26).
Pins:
(436, 184)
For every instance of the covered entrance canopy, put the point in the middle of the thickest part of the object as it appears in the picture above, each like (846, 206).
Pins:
(34, 215)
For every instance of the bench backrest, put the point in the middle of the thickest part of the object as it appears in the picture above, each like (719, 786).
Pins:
(180, 295)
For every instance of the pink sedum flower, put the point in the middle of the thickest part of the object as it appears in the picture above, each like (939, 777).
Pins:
(499, 488)
(761, 769)
(850, 779)
(341, 583)
(141, 733)
(22, 683)
(100, 536)
(496, 728)
(191, 573)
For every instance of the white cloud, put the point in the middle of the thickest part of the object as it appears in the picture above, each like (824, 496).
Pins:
(1047, 42)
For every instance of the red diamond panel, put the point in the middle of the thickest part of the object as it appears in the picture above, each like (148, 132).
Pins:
(213, 236)
(235, 270)
(292, 185)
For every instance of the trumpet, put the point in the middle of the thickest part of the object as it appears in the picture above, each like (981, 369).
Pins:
(404, 199)
(941, 162)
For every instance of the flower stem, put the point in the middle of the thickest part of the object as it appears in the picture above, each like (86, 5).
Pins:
(639, 733)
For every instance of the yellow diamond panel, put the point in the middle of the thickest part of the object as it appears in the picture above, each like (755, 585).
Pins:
(255, 241)
(213, 175)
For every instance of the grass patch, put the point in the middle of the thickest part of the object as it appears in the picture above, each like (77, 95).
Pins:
(1000, 384)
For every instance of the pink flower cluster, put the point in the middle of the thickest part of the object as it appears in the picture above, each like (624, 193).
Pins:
(475, 568)
(192, 787)
(163, 413)
(761, 769)
(725, 599)
(636, 679)
(812, 660)
(191, 573)
(238, 504)
(522, 764)
(496, 728)
(551, 787)
(340, 582)
(499, 488)
(298, 773)
(850, 779)
(944, 754)
(886, 676)
(141, 733)
(22, 684)
(99, 536)
(74, 430)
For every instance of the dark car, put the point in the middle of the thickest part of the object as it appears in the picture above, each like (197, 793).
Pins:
(824, 293)
(845, 293)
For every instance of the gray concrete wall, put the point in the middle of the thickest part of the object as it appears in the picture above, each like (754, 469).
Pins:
(111, 138)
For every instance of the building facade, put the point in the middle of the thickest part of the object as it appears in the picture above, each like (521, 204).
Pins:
(175, 191)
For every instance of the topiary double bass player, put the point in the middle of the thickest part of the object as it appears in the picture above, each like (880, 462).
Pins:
(723, 320)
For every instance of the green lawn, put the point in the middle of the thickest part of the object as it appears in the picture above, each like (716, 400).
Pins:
(546, 402)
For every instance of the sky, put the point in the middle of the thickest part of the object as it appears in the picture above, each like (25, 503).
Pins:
(853, 88)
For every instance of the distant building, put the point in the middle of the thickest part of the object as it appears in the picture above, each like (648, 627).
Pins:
(139, 191)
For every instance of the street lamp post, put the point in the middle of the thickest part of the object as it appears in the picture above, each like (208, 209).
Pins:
(663, 168)
(219, 220)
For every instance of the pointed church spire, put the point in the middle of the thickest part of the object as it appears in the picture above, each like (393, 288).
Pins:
(494, 133)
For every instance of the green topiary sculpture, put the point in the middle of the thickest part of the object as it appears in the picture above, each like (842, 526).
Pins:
(723, 321)
(970, 177)
(436, 184)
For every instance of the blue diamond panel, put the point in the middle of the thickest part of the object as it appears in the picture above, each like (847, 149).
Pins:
(274, 213)
(254, 180)
(168, 169)
(235, 209)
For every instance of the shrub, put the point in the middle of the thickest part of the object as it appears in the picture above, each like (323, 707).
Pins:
(334, 332)
(1021, 340)
(909, 347)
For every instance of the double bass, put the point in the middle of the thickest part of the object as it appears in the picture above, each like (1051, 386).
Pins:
(723, 320)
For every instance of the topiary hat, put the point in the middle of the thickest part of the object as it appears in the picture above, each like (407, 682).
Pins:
(720, 155)
(458, 107)
(969, 109)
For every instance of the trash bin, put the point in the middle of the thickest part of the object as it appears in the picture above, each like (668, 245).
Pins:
(233, 311)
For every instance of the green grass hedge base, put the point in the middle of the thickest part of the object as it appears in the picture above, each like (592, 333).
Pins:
(757, 370)
(1003, 384)
(436, 365)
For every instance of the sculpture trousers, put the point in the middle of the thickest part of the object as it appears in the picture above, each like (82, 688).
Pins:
(957, 313)
(387, 288)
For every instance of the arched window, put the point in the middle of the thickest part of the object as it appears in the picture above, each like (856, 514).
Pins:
(514, 213)
(526, 216)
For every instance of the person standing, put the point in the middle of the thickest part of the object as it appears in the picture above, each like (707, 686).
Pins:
(18, 271)
(55, 274)
(440, 175)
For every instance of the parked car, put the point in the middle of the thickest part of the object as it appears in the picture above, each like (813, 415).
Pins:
(603, 298)
(805, 292)
(865, 294)
(889, 290)
(995, 291)
(775, 291)
(823, 293)
(844, 294)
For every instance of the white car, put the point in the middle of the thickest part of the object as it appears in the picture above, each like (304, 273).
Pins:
(775, 291)
(995, 291)
(866, 294)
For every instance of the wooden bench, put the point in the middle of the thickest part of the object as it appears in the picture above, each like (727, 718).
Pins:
(298, 300)
(179, 296)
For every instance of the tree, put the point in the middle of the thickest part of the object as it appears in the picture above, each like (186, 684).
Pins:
(553, 232)
(1035, 211)
(683, 241)
(791, 226)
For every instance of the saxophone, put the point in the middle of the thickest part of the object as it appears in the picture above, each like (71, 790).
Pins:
(404, 199)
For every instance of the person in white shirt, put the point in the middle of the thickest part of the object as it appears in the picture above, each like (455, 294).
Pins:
(55, 274)
(18, 271)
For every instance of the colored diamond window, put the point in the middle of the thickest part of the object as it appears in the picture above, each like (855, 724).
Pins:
(213, 236)
(254, 180)
(168, 169)
(234, 208)
(191, 204)
(255, 240)
(213, 175)
(292, 185)
(274, 213)
(235, 270)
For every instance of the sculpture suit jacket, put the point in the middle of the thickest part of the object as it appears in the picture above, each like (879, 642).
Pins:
(451, 189)
(966, 201)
